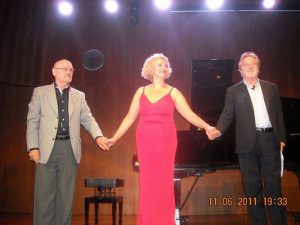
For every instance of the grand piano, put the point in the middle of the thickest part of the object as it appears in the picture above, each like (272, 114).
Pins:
(196, 155)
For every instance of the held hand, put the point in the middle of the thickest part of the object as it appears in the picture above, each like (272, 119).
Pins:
(101, 142)
(212, 133)
(110, 142)
(217, 133)
(34, 155)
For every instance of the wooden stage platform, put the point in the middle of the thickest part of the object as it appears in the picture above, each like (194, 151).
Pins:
(236, 219)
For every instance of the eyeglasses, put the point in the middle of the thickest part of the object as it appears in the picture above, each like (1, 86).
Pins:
(65, 69)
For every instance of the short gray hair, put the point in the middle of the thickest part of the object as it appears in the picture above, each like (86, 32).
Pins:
(249, 54)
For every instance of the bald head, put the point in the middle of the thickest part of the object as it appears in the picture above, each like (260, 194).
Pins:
(62, 61)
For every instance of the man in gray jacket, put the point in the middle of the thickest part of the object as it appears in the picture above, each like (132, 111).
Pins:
(55, 114)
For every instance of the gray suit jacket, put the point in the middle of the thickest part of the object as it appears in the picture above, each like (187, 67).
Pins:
(42, 121)
(238, 105)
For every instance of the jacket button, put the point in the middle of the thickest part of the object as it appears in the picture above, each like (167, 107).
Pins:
(55, 128)
(53, 139)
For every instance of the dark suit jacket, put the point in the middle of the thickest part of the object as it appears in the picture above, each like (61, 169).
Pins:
(238, 105)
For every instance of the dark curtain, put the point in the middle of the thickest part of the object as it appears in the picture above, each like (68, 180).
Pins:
(23, 25)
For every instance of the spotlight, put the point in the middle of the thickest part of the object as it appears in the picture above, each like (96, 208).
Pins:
(111, 6)
(214, 4)
(268, 3)
(65, 8)
(162, 4)
(134, 13)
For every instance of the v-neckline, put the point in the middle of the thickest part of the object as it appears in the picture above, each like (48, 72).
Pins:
(156, 100)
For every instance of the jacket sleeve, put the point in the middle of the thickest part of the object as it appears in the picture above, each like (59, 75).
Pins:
(227, 114)
(88, 121)
(33, 121)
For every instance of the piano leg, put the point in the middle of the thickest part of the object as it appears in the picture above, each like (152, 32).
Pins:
(296, 215)
(177, 190)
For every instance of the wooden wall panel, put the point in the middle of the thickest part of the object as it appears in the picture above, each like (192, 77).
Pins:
(183, 37)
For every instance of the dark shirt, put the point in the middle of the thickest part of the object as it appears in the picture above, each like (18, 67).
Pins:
(63, 113)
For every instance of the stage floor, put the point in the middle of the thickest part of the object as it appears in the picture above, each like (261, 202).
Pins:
(26, 219)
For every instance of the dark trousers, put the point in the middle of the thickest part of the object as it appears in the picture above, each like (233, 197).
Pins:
(54, 186)
(260, 170)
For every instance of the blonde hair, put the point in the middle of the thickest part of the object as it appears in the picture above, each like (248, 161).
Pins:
(147, 70)
(249, 54)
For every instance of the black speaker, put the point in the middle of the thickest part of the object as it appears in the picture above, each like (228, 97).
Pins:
(210, 80)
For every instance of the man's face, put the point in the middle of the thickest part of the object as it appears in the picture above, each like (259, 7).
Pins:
(249, 68)
(63, 72)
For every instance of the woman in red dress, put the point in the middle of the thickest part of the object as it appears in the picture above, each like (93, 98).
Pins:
(156, 140)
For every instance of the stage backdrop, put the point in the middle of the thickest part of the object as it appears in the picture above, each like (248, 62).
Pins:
(33, 36)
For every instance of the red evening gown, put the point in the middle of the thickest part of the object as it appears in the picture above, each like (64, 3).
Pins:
(156, 146)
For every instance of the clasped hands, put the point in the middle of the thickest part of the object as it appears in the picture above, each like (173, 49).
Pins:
(105, 143)
(212, 133)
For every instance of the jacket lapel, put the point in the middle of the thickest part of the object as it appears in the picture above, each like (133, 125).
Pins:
(265, 95)
(245, 92)
(52, 98)
(72, 101)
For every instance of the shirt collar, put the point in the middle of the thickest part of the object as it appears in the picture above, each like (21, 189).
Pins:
(257, 84)
(61, 91)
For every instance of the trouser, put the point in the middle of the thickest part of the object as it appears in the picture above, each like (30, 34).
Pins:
(54, 186)
(260, 170)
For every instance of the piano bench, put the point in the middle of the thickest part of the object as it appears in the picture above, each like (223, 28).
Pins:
(104, 192)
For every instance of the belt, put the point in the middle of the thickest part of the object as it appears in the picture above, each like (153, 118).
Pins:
(62, 137)
(268, 129)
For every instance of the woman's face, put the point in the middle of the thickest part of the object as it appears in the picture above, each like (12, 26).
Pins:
(160, 68)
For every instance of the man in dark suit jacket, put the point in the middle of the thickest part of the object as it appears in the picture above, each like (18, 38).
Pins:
(260, 136)
(55, 114)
